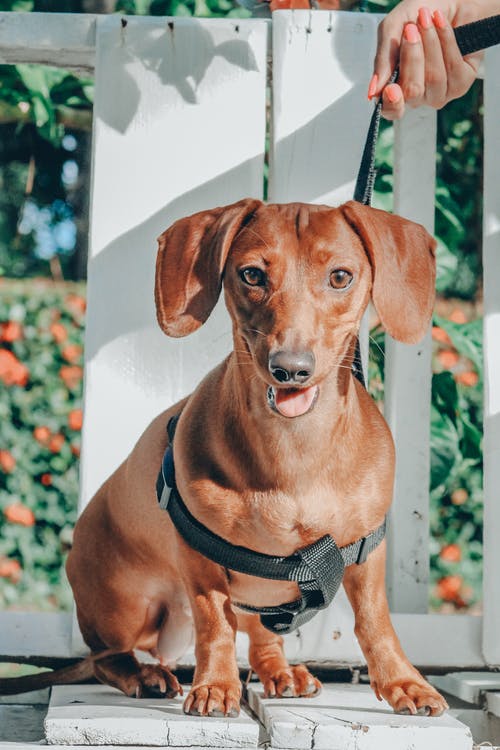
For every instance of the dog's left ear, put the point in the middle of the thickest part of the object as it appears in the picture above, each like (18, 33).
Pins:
(402, 257)
(189, 265)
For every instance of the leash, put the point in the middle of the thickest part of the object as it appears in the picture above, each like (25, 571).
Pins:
(317, 569)
(472, 37)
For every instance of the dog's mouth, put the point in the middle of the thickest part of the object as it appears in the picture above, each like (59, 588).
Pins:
(292, 402)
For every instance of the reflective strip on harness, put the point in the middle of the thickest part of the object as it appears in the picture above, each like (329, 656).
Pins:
(317, 569)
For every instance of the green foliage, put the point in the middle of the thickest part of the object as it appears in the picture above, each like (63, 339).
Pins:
(41, 328)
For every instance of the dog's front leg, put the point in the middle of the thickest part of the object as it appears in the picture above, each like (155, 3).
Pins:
(216, 689)
(392, 677)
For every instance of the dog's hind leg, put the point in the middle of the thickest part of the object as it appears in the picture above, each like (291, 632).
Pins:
(268, 661)
(123, 671)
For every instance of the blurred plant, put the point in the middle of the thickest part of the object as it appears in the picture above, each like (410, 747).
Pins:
(41, 329)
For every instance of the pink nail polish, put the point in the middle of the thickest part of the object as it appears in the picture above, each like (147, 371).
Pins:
(425, 18)
(411, 33)
(393, 93)
(439, 19)
(373, 86)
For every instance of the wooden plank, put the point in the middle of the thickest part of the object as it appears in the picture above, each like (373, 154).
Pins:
(408, 385)
(429, 640)
(468, 686)
(35, 634)
(63, 40)
(102, 715)
(186, 123)
(491, 274)
(350, 716)
(321, 70)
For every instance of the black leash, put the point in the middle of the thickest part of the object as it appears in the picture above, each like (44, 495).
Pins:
(472, 37)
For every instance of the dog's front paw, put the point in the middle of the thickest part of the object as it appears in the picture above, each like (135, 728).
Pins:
(413, 696)
(214, 700)
(292, 682)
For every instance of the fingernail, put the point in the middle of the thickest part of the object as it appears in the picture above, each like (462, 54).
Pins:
(411, 33)
(372, 86)
(425, 18)
(439, 19)
(393, 93)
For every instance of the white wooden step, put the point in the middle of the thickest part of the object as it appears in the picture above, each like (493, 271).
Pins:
(468, 686)
(101, 715)
(344, 717)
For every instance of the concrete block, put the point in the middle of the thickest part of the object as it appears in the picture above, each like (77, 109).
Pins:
(344, 717)
(101, 715)
(466, 685)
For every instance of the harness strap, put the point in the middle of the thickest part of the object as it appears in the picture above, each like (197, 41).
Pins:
(317, 569)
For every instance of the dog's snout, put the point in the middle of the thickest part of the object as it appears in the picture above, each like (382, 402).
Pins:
(291, 367)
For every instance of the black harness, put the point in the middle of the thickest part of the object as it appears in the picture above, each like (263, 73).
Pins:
(317, 569)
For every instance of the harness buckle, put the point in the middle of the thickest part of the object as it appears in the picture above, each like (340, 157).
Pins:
(363, 551)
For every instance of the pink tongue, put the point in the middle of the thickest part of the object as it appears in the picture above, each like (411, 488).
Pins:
(294, 403)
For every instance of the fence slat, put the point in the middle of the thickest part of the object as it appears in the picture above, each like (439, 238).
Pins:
(179, 126)
(64, 40)
(491, 273)
(408, 384)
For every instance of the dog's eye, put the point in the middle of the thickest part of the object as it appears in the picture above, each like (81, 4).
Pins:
(340, 278)
(253, 276)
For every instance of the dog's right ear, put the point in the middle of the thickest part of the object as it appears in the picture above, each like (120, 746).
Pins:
(191, 257)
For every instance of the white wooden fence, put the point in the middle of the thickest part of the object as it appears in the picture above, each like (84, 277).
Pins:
(180, 125)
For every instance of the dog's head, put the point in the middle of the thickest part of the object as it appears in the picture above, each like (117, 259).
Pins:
(297, 280)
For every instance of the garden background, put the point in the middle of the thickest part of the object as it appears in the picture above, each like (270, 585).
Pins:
(45, 130)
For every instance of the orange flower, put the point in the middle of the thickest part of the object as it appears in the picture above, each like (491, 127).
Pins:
(438, 334)
(75, 419)
(448, 588)
(469, 378)
(10, 569)
(7, 462)
(19, 513)
(71, 375)
(75, 450)
(459, 497)
(56, 443)
(42, 434)
(11, 331)
(12, 371)
(448, 358)
(451, 553)
(457, 316)
(59, 332)
(72, 353)
(46, 480)
(76, 304)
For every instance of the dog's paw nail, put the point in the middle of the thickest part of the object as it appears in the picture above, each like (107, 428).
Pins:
(288, 692)
(311, 689)
(217, 713)
(233, 713)
(424, 711)
(403, 712)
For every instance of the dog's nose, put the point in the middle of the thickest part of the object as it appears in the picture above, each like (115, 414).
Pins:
(291, 367)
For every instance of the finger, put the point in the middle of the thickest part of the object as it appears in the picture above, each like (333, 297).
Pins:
(412, 66)
(393, 103)
(460, 72)
(390, 31)
(435, 78)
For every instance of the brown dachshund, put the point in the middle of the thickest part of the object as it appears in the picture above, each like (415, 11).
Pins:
(278, 446)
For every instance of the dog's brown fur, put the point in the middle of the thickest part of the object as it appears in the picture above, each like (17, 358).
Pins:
(255, 477)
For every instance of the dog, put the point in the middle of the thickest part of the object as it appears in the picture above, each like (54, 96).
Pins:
(279, 446)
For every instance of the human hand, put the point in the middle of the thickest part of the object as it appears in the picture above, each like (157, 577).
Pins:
(432, 70)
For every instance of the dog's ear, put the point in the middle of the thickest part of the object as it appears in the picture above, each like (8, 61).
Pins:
(402, 257)
(191, 258)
